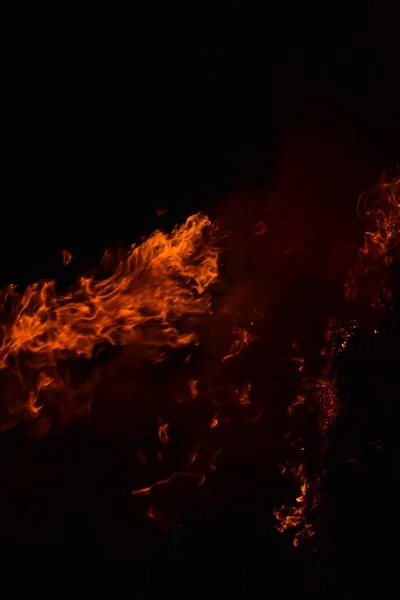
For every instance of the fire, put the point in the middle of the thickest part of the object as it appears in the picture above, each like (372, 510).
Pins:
(163, 432)
(191, 471)
(369, 283)
(214, 421)
(243, 339)
(295, 516)
(67, 257)
(151, 297)
(244, 394)
(154, 297)
(370, 278)
(296, 402)
(194, 388)
(159, 515)
(323, 388)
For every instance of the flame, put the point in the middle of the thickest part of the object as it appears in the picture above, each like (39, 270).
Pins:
(295, 516)
(370, 278)
(150, 297)
(187, 473)
(369, 282)
(154, 512)
(214, 421)
(194, 388)
(296, 402)
(244, 394)
(244, 337)
(30, 408)
(163, 432)
(67, 257)
(323, 388)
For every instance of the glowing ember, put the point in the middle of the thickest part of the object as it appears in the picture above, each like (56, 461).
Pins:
(324, 388)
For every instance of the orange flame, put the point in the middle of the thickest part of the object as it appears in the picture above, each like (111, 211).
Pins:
(144, 300)
(67, 257)
(243, 339)
(197, 476)
(194, 388)
(295, 515)
(214, 421)
(163, 433)
(244, 394)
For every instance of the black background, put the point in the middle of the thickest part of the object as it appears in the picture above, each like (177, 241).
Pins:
(111, 114)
